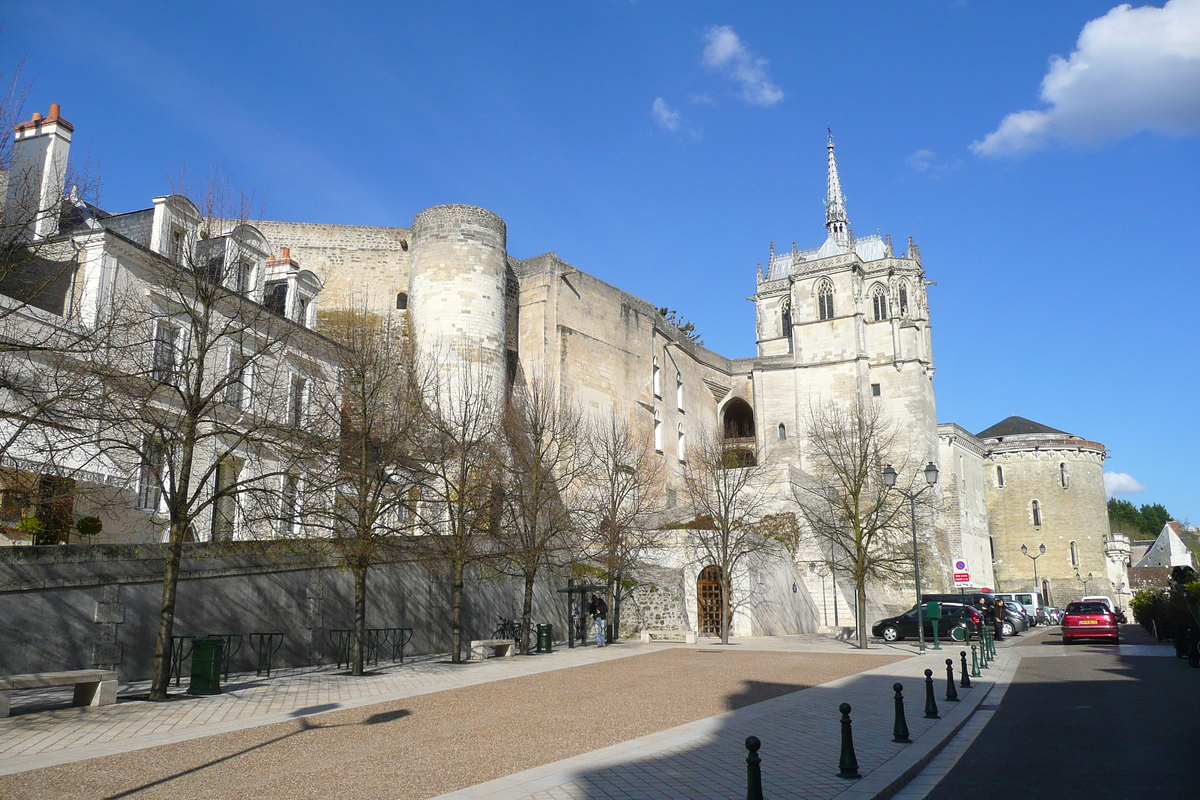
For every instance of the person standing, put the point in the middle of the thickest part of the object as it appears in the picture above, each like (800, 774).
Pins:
(599, 612)
(1000, 613)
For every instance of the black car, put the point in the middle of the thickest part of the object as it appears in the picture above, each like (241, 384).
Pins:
(954, 615)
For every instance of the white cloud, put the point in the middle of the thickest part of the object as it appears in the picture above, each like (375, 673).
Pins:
(1133, 69)
(1119, 483)
(930, 163)
(725, 53)
(666, 117)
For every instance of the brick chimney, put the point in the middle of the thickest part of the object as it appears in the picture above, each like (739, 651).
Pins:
(39, 167)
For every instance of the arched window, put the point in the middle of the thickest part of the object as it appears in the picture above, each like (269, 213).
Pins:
(1074, 555)
(681, 445)
(1062, 474)
(1000, 476)
(879, 303)
(739, 419)
(656, 378)
(782, 432)
(679, 391)
(785, 320)
(903, 298)
(401, 301)
(657, 431)
(1037, 513)
(825, 299)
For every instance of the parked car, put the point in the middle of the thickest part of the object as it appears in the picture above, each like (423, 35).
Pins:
(1054, 615)
(1090, 620)
(1031, 600)
(954, 615)
(1020, 608)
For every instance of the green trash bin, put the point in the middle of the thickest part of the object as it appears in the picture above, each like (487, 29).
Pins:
(545, 637)
(206, 666)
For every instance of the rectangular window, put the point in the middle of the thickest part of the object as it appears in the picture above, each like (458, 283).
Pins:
(298, 400)
(165, 359)
(287, 505)
(876, 390)
(150, 475)
(671, 498)
(225, 507)
(237, 388)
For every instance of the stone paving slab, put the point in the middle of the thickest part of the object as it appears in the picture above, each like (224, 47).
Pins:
(800, 734)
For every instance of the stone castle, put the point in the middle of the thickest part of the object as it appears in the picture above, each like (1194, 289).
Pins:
(846, 320)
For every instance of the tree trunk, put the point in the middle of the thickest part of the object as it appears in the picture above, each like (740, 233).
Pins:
(860, 611)
(360, 620)
(527, 611)
(456, 597)
(725, 588)
(161, 677)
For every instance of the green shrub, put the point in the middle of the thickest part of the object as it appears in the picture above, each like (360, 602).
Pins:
(89, 526)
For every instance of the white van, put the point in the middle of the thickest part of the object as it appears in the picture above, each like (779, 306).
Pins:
(1100, 598)
(1031, 600)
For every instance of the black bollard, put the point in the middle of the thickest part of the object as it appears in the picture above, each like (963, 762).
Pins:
(951, 692)
(931, 711)
(900, 729)
(966, 679)
(848, 763)
(753, 770)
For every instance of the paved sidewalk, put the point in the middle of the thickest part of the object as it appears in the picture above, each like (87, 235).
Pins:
(800, 734)
(799, 730)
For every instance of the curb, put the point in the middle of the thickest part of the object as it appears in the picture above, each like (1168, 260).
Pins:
(887, 780)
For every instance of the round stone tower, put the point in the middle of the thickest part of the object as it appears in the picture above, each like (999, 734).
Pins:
(456, 294)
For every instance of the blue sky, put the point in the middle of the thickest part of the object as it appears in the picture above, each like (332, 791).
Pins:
(1045, 157)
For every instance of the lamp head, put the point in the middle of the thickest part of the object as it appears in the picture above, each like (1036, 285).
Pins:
(889, 476)
(931, 473)
(1042, 549)
(1024, 550)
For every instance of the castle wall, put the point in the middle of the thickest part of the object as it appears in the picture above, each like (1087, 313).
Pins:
(962, 488)
(353, 261)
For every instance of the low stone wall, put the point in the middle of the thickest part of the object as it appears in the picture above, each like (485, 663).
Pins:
(84, 606)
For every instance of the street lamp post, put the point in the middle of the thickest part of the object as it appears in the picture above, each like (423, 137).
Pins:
(1037, 587)
(889, 480)
(1084, 581)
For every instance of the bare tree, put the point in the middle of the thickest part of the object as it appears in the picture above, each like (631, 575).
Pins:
(363, 498)
(199, 385)
(727, 496)
(461, 460)
(620, 495)
(856, 524)
(543, 437)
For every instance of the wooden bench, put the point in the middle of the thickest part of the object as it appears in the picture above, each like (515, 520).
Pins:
(93, 687)
(497, 647)
(688, 636)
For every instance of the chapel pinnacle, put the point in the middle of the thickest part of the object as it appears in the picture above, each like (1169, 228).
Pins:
(835, 203)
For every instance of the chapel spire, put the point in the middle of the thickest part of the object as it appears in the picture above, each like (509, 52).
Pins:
(835, 202)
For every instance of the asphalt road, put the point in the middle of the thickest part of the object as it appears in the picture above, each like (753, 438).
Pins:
(1081, 721)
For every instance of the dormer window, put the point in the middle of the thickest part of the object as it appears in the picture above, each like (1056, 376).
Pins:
(275, 298)
(245, 277)
(177, 245)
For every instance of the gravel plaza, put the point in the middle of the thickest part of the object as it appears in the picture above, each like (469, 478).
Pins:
(626, 721)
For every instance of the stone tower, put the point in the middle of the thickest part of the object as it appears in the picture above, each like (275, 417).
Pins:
(457, 295)
(1046, 486)
(846, 320)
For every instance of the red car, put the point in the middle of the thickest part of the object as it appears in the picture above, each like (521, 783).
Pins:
(1089, 621)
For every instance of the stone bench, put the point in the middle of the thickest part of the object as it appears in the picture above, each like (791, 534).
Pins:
(688, 636)
(497, 647)
(93, 687)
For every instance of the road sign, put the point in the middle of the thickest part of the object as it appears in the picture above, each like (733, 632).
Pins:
(962, 577)
(960, 566)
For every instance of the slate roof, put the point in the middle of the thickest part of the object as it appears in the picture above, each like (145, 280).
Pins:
(1017, 426)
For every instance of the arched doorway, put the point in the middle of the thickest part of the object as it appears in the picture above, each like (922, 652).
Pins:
(709, 588)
